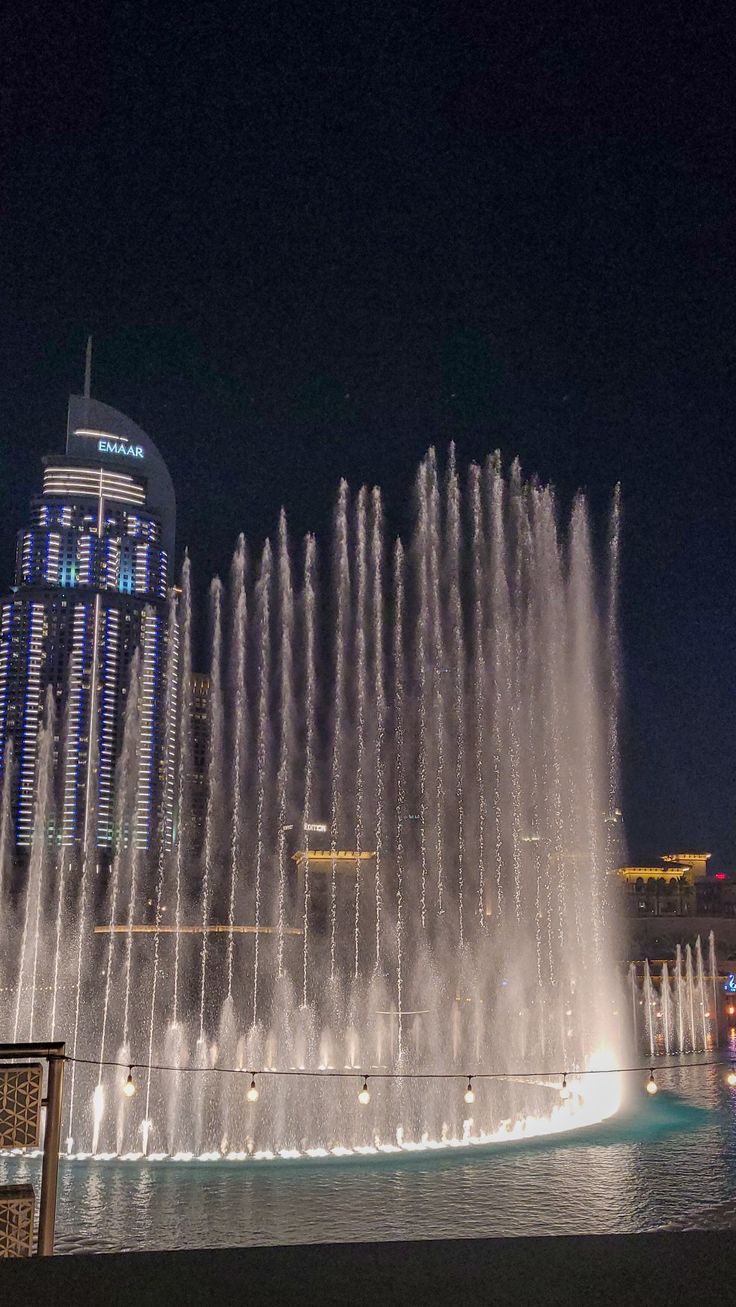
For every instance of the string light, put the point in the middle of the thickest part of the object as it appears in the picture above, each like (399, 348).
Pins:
(731, 1077)
(651, 1083)
(364, 1096)
(564, 1091)
(329, 1074)
(469, 1094)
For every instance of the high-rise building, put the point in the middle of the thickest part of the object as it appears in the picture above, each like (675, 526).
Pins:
(93, 571)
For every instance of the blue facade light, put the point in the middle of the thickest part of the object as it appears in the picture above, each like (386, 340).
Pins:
(101, 535)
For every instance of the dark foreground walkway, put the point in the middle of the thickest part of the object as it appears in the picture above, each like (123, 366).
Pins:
(646, 1270)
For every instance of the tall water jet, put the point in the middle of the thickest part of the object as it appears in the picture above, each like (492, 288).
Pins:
(613, 665)
(214, 782)
(499, 656)
(701, 990)
(438, 672)
(423, 663)
(380, 703)
(286, 635)
(690, 995)
(123, 855)
(60, 901)
(182, 836)
(649, 1009)
(130, 837)
(37, 870)
(310, 697)
(88, 851)
(405, 787)
(552, 630)
(342, 586)
(530, 730)
(171, 682)
(263, 601)
(400, 764)
(458, 673)
(360, 712)
(123, 862)
(513, 684)
(479, 679)
(672, 1011)
(679, 998)
(665, 999)
(238, 689)
(582, 716)
(713, 971)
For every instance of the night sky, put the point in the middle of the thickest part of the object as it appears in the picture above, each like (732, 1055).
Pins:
(309, 240)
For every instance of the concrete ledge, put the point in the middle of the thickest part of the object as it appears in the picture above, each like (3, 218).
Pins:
(646, 1270)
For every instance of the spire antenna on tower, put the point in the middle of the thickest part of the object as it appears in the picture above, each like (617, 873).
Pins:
(88, 369)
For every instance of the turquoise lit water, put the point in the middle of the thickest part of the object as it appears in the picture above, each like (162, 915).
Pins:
(667, 1161)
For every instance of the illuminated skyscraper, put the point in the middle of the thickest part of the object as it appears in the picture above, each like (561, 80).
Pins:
(92, 575)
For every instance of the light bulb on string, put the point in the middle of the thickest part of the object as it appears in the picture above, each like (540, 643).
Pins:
(129, 1087)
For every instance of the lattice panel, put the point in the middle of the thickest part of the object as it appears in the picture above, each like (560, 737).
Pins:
(16, 1220)
(20, 1105)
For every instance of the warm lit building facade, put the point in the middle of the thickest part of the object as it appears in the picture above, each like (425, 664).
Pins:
(689, 867)
(693, 866)
(92, 577)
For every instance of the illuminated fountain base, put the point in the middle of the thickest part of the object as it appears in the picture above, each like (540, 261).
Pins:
(580, 1101)
(577, 1113)
(560, 1121)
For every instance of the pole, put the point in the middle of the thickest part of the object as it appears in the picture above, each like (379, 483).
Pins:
(88, 369)
(51, 1142)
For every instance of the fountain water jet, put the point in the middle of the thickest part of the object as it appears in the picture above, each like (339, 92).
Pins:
(405, 873)
(680, 1012)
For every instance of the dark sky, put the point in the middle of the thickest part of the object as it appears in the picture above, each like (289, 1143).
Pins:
(310, 239)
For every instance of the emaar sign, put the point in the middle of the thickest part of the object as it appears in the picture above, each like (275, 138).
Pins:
(104, 434)
(110, 444)
(118, 447)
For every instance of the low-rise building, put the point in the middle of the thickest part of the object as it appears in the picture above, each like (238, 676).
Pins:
(689, 867)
